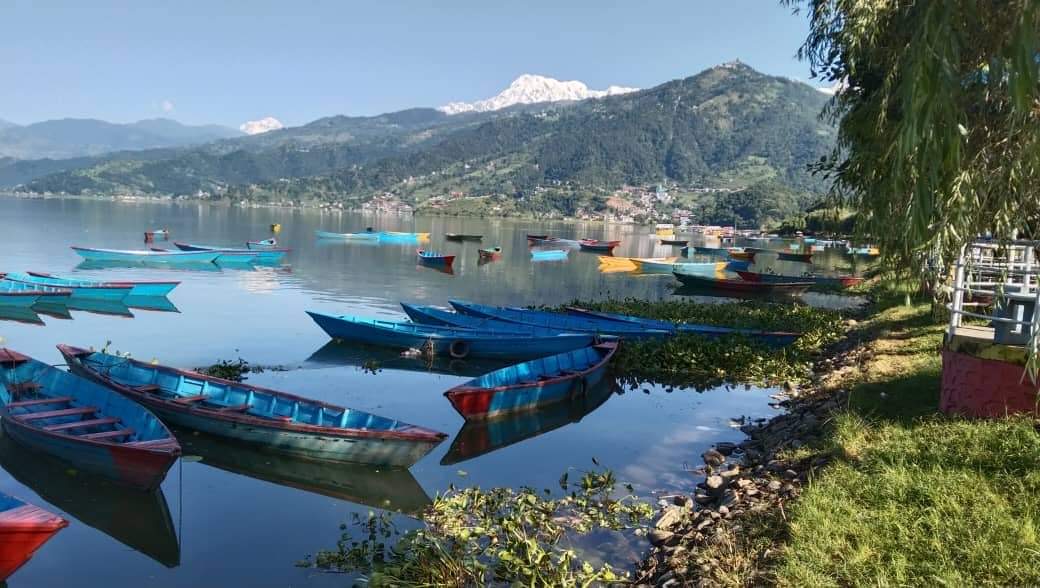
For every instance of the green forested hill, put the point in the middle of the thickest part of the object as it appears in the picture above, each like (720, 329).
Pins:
(727, 127)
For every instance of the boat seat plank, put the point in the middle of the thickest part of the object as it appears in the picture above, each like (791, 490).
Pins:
(191, 399)
(23, 387)
(49, 414)
(78, 424)
(108, 434)
(148, 388)
(37, 401)
(236, 408)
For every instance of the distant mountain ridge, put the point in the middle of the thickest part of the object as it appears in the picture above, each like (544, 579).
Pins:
(726, 128)
(84, 137)
(534, 89)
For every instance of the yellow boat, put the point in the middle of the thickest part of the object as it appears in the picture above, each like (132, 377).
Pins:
(654, 265)
(616, 264)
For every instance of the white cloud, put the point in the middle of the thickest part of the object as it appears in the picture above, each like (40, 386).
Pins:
(166, 105)
(255, 127)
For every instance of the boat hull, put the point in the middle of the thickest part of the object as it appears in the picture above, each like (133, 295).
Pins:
(743, 286)
(147, 256)
(835, 282)
(455, 342)
(347, 236)
(481, 403)
(774, 338)
(400, 447)
(96, 292)
(558, 321)
(142, 289)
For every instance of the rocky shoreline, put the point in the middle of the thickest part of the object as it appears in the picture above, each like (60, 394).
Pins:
(749, 483)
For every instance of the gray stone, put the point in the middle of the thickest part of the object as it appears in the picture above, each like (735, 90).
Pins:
(715, 484)
(713, 458)
(774, 485)
(725, 447)
(671, 517)
(659, 537)
(790, 474)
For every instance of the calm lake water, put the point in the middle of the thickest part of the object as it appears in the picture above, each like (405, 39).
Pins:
(238, 517)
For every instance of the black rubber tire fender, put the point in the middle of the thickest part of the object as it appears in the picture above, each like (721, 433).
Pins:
(459, 349)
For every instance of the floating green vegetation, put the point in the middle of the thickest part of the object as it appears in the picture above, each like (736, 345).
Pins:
(236, 370)
(693, 361)
(474, 537)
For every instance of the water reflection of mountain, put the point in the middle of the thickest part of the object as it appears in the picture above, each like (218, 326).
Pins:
(139, 520)
(371, 357)
(479, 438)
(390, 489)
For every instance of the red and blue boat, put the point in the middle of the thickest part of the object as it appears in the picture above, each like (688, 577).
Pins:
(236, 254)
(265, 418)
(52, 411)
(830, 281)
(24, 528)
(434, 258)
(598, 246)
(534, 384)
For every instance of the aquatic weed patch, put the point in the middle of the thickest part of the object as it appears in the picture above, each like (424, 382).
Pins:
(690, 360)
(475, 537)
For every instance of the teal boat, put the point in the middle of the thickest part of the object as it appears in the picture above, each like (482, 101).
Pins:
(146, 256)
(457, 342)
(362, 236)
(25, 295)
(236, 254)
(532, 385)
(777, 338)
(430, 315)
(137, 288)
(96, 290)
(549, 255)
(274, 420)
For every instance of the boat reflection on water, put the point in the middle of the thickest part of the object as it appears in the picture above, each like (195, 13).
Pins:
(139, 520)
(19, 314)
(372, 358)
(385, 488)
(444, 269)
(193, 266)
(94, 306)
(152, 303)
(478, 438)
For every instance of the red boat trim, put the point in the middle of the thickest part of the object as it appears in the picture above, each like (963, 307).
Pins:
(462, 391)
(422, 434)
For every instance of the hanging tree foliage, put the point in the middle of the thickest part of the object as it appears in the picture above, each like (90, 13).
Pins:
(938, 115)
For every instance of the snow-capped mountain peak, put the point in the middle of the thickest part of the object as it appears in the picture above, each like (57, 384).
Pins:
(255, 127)
(532, 89)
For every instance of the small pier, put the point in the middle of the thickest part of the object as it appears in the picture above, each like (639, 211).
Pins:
(994, 315)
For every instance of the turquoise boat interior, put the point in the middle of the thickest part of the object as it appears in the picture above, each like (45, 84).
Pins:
(532, 371)
(195, 390)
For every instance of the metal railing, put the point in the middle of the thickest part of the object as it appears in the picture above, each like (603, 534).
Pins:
(1004, 276)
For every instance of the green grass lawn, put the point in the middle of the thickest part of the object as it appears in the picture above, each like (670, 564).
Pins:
(914, 497)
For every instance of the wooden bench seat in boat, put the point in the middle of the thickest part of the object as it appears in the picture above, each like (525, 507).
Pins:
(22, 388)
(153, 442)
(191, 399)
(37, 401)
(148, 388)
(49, 414)
(78, 424)
(108, 434)
(236, 408)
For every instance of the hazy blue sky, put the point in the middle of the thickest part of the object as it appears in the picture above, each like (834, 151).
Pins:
(226, 61)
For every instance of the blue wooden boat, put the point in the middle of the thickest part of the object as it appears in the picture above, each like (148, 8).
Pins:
(362, 236)
(434, 258)
(236, 253)
(533, 384)
(146, 256)
(263, 244)
(480, 437)
(25, 295)
(274, 420)
(549, 255)
(24, 528)
(97, 290)
(89, 426)
(138, 520)
(558, 321)
(457, 342)
(137, 288)
(429, 315)
(777, 338)
(399, 237)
